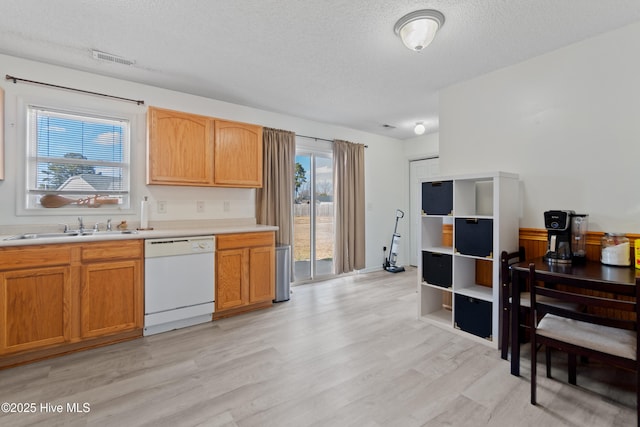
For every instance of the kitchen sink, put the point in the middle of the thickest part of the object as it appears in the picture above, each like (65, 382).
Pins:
(41, 236)
(108, 232)
(69, 234)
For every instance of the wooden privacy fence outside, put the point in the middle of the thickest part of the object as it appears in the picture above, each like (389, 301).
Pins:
(322, 209)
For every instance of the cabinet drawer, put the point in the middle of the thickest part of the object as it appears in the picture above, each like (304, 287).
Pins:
(436, 269)
(245, 240)
(437, 198)
(474, 237)
(34, 256)
(473, 315)
(125, 249)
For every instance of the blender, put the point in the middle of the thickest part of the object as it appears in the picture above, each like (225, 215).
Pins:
(579, 224)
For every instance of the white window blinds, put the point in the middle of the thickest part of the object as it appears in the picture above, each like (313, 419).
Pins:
(77, 155)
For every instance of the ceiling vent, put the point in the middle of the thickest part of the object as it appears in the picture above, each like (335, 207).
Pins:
(103, 56)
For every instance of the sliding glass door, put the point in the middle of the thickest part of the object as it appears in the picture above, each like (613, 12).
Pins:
(313, 212)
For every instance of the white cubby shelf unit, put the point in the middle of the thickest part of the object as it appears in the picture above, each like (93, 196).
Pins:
(483, 213)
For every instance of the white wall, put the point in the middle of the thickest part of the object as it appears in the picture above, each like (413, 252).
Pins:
(422, 147)
(383, 156)
(568, 122)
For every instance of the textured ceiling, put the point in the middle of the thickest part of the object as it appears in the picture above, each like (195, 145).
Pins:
(333, 61)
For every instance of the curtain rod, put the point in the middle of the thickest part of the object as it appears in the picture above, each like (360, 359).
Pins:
(17, 79)
(321, 139)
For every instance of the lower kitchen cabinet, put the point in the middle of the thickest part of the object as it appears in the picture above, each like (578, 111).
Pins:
(231, 285)
(55, 299)
(245, 272)
(262, 274)
(34, 309)
(111, 298)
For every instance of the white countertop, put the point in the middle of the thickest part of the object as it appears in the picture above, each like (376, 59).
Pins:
(156, 233)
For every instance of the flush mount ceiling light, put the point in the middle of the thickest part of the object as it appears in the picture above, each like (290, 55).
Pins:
(417, 29)
(419, 129)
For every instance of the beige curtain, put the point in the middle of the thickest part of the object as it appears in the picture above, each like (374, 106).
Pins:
(274, 201)
(348, 169)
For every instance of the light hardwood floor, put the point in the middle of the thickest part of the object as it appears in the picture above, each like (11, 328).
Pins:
(346, 352)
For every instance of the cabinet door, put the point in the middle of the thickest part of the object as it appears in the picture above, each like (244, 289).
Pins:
(34, 308)
(180, 148)
(111, 299)
(237, 154)
(231, 281)
(262, 274)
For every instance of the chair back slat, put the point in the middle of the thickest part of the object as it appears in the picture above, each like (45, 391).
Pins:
(576, 296)
(602, 309)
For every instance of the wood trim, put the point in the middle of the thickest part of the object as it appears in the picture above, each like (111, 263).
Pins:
(242, 309)
(447, 235)
(534, 240)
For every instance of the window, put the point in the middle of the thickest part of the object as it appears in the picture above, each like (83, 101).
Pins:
(76, 160)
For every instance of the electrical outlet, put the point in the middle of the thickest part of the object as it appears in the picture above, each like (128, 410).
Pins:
(226, 206)
(200, 206)
(162, 207)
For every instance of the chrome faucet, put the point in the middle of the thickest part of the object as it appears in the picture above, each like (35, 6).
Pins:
(80, 224)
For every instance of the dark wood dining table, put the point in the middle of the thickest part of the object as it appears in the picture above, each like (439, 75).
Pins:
(568, 274)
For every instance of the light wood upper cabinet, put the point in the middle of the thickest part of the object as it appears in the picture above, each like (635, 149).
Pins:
(1, 133)
(180, 148)
(237, 154)
(188, 149)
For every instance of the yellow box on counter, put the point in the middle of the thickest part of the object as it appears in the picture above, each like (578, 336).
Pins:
(636, 246)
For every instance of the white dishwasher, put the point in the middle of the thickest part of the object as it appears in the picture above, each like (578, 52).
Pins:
(178, 282)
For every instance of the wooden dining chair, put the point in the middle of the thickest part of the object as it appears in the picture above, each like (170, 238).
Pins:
(506, 259)
(596, 333)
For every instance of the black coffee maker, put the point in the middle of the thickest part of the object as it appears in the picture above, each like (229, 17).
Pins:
(558, 225)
